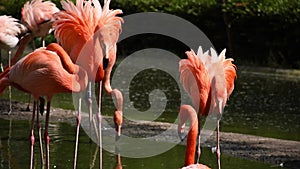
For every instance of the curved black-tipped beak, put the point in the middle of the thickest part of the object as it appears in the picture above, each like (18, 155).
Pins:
(118, 134)
(180, 135)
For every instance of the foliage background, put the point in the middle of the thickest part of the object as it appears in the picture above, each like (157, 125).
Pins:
(255, 32)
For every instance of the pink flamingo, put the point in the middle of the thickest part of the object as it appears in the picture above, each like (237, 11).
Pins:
(9, 31)
(10, 28)
(44, 72)
(209, 81)
(187, 112)
(37, 17)
(77, 29)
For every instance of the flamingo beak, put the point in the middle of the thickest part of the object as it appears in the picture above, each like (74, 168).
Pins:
(118, 134)
(118, 120)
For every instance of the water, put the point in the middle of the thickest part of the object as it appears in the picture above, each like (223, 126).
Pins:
(14, 151)
(265, 102)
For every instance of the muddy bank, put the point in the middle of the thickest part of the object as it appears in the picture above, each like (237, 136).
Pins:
(274, 151)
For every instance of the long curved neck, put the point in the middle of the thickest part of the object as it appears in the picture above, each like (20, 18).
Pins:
(23, 43)
(191, 144)
(112, 60)
(64, 57)
(187, 112)
(78, 74)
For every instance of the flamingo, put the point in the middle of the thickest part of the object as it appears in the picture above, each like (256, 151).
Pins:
(44, 72)
(188, 112)
(76, 30)
(209, 81)
(10, 28)
(37, 17)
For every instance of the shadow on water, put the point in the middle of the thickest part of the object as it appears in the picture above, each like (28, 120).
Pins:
(14, 151)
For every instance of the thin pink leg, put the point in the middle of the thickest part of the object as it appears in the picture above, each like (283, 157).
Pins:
(40, 136)
(90, 102)
(100, 123)
(46, 136)
(32, 135)
(218, 145)
(199, 132)
(1, 65)
(77, 132)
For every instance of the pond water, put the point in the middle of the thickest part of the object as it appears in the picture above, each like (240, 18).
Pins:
(14, 151)
(264, 103)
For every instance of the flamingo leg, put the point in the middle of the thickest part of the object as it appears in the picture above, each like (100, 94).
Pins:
(32, 135)
(1, 65)
(90, 102)
(40, 131)
(218, 145)
(199, 132)
(9, 87)
(77, 132)
(46, 135)
(100, 123)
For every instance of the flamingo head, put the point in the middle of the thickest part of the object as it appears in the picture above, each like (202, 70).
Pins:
(180, 131)
(118, 120)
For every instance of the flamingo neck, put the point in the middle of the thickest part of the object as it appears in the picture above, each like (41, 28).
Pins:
(205, 107)
(191, 142)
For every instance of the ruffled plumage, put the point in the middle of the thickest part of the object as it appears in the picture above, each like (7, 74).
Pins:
(10, 28)
(35, 13)
(78, 23)
(207, 77)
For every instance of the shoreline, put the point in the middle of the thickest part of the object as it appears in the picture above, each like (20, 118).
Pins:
(277, 152)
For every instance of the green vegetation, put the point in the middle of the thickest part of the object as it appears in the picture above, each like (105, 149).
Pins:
(262, 32)
(255, 32)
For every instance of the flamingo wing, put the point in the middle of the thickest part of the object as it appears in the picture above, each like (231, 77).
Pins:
(42, 73)
(230, 75)
(72, 30)
(75, 30)
(195, 80)
(222, 74)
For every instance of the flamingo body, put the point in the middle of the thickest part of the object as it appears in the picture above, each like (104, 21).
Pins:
(9, 30)
(196, 166)
(37, 16)
(76, 27)
(199, 71)
(42, 73)
(209, 81)
(89, 33)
